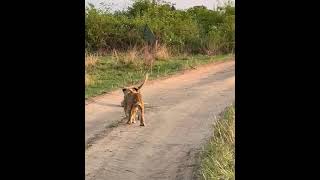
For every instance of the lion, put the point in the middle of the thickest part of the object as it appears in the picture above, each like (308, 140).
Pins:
(133, 103)
(134, 106)
(126, 90)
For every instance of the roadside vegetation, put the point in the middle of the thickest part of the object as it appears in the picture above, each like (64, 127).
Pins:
(218, 157)
(117, 53)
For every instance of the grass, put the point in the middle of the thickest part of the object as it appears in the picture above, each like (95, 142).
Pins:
(109, 73)
(90, 60)
(218, 157)
(88, 80)
(162, 53)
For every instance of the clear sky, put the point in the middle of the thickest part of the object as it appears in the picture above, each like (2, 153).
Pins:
(180, 4)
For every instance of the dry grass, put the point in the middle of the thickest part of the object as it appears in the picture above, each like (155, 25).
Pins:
(162, 53)
(218, 157)
(132, 56)
(115, 56)
(88, 80)
(148, 57)
(102, 52)
(108, 74)
(90, 60)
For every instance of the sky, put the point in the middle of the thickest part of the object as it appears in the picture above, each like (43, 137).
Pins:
(180, 4)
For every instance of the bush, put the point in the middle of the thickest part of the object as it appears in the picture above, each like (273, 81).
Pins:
(195, 30)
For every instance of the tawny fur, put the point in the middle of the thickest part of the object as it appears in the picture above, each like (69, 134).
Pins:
(132, 88)
(135, 107)
(133, 103)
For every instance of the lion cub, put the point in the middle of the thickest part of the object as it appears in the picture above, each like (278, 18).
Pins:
(126, 90)
(133, 103)
(134, 106)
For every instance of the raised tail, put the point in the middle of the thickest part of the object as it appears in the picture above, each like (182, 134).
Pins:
(145, 80)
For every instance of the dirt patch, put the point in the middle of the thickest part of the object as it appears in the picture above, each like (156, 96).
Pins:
(178, 122)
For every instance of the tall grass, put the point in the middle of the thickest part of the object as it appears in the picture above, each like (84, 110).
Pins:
(218, 158)
(136, 58)
(108, 74)
(162, 52)
(90, 60)
(90, 63)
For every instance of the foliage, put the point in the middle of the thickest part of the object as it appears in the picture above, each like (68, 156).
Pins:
(195, 30)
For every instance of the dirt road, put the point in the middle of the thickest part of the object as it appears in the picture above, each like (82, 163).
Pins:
(179, 114)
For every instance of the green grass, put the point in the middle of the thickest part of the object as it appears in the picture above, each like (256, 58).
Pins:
(218, 157)
(108, 74)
